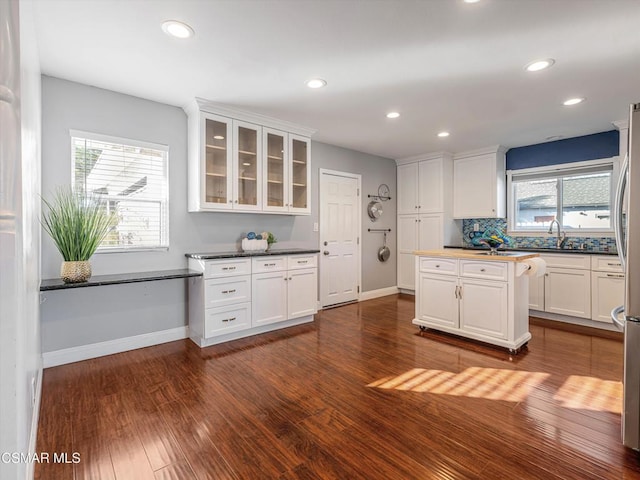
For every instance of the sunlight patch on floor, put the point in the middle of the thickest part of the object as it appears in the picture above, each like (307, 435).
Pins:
(474, 382)
(589, 393)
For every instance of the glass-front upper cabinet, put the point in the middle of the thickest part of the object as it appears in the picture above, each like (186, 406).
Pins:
(276, 170)
(247, 166)
(300, 177)
(217, 161)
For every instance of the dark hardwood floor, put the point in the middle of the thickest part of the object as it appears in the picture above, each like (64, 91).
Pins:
(358, 394)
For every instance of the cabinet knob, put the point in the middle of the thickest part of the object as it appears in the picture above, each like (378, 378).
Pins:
(482, 269)
(437, 266)
(326, 252)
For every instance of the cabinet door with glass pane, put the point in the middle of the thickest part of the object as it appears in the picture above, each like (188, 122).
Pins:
(275, 193)
(300, 174)
(216, 179)
(247, 166)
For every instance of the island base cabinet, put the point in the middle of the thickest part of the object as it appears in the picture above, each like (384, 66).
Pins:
(437, 302)
(483, 307)
(482, 300)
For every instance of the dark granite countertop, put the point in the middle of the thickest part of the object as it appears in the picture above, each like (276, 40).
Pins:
(541, 250)
(217, 255)
(116, 279)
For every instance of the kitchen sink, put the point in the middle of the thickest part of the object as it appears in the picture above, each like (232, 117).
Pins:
(500, 254)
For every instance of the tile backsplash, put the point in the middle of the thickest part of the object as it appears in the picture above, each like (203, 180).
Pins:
(598, 244)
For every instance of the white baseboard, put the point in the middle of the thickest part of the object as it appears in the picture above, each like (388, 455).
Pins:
(381, 292)
(35, 418)
(94, 350)
(573, 320)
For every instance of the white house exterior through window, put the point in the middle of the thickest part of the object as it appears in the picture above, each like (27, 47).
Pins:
(131, 177)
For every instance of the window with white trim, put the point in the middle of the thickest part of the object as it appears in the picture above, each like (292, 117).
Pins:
(579, 196)
(131, 177)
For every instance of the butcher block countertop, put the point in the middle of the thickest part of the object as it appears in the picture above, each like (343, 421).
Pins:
(475, 255)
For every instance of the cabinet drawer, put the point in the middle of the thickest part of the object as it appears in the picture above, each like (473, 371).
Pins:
(227, 291)
(445, 266)
(488, 270)
(223, 320)
(567, 260)
(606, 263)
(268, 264)
(302, 261)
(227, 268)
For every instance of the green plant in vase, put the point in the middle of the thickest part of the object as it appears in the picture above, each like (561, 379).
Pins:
(77, 224)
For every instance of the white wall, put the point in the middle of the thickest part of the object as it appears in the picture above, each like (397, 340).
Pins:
(20, 351)
(68, 105)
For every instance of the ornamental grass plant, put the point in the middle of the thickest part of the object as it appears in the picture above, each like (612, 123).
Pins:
(77, 223)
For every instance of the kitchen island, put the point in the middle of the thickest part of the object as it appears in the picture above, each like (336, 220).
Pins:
(475, 295)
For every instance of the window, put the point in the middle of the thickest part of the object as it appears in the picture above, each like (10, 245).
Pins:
(579, 196)
(131, 177)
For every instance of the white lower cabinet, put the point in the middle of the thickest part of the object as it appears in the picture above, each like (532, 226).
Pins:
(580, 286)
(437, 303)
(483, 300)
(607, 292)
(568, 292)
(484, 307)
(270, 292)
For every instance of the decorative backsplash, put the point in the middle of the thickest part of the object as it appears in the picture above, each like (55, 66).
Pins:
(598, 244)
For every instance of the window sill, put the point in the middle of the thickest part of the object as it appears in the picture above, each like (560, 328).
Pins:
(109, 251)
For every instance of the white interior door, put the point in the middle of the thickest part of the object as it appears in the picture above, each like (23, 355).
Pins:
(339, 237)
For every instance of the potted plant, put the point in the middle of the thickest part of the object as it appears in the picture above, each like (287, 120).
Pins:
(77, 224)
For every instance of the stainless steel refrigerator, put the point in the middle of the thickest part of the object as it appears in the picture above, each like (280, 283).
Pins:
(627, 227)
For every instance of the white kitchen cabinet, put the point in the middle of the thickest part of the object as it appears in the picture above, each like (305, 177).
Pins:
(239, 297)
(285, 293)
(424, 201)
(568, 292)
(242, 162)
(607, 286)
(483, 307)
(437, 303)
(416, 232)
(479, 185)
(607, 292)
(481, 299)
(536, 293)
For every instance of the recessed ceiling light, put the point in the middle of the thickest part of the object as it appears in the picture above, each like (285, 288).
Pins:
(471, 1)
(246, 164)
(316, 83)
(393, 115)
(573, 101)
(538, 65)
(177, 29)
(443, 134)
(218, 137)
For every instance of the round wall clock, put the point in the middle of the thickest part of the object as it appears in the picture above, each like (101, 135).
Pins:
(384, 192)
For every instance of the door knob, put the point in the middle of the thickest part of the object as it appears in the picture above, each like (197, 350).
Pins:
(326, 252)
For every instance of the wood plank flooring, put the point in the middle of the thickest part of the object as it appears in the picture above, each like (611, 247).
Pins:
(358, 394)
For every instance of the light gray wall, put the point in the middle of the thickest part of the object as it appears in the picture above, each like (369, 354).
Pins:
(73, 106)
(20, 352)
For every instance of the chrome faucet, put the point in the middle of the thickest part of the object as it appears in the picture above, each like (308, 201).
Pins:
(560, 240)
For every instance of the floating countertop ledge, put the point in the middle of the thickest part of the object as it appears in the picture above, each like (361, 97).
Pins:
(217, 255)
(119, 278)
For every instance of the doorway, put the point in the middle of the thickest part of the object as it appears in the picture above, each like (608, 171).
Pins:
(340, 226)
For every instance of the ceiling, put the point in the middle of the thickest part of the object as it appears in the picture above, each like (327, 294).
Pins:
(443, 64)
